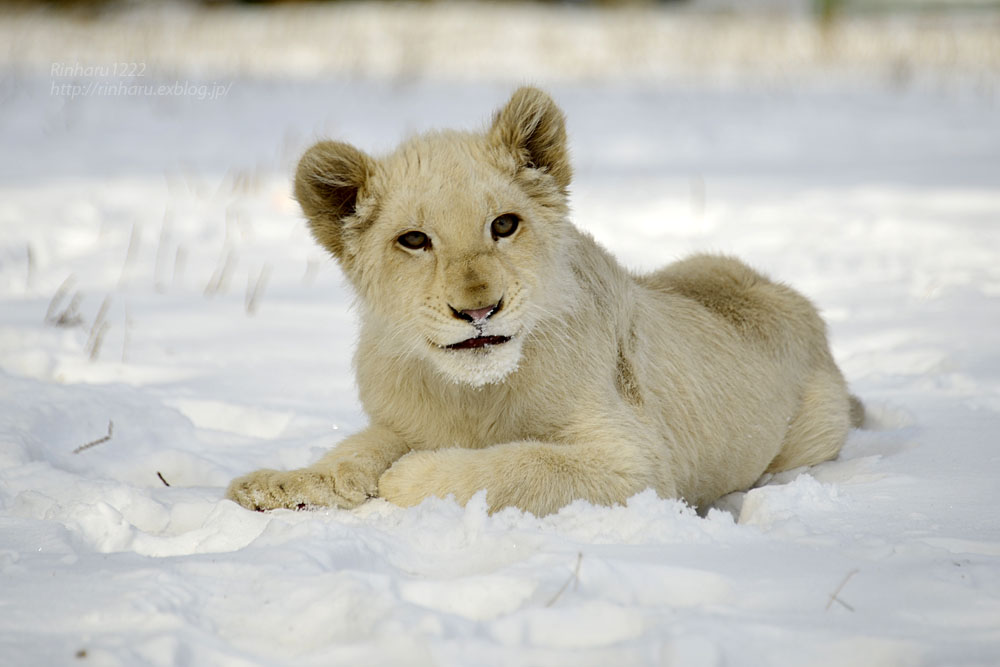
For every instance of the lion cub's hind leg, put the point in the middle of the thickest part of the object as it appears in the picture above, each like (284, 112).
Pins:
(773, 316)
(818, 430)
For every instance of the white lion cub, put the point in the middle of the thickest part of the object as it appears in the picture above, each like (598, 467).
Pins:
(502, 349)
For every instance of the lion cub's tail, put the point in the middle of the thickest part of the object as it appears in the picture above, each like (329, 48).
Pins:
(857, 411)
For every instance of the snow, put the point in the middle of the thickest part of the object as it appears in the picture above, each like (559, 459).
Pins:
(205, 333)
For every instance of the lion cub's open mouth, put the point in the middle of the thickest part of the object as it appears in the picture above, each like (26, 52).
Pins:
(479, 341)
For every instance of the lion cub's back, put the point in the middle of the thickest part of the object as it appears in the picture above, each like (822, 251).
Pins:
(765, 313)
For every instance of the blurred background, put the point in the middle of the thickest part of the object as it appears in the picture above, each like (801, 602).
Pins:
(113, 72)
(148, 147)
(630, 39)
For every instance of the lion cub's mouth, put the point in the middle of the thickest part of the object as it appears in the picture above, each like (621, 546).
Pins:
(477, 342)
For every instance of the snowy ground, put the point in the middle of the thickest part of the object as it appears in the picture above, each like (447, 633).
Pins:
(157, 285)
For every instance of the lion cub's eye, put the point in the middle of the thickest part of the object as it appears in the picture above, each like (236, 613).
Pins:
(504, 225)
(414, 241)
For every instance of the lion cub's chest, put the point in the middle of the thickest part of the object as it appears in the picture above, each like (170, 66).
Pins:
(456, 416)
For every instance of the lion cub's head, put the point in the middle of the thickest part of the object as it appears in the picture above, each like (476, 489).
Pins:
(455, 241)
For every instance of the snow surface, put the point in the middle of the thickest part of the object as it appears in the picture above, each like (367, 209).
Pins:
(158, 286)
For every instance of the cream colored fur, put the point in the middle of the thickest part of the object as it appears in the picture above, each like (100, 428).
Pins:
(693, 381)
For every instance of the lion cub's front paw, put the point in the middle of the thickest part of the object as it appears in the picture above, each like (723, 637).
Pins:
(295, 489)
(420, 475)
(400, 486)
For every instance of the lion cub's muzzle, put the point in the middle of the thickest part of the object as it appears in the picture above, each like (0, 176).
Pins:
(477, 317)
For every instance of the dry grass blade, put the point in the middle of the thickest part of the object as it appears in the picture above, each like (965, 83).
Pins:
(29, 280)
(180, 262)
(836, 592)
(98, 329)
(99, 321)
(70, 317)
(95, 349)
(99, 441)
(575, 577)
(256, 291)
(57, 299)
(134, 241)
(219, 281)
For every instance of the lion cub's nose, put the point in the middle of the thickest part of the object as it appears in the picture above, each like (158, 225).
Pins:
(476, 314)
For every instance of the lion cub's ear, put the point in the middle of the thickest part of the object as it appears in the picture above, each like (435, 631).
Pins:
(533, 128)
(327, 182)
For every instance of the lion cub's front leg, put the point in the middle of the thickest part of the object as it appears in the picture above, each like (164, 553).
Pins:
(537, 477)
(345, 477)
